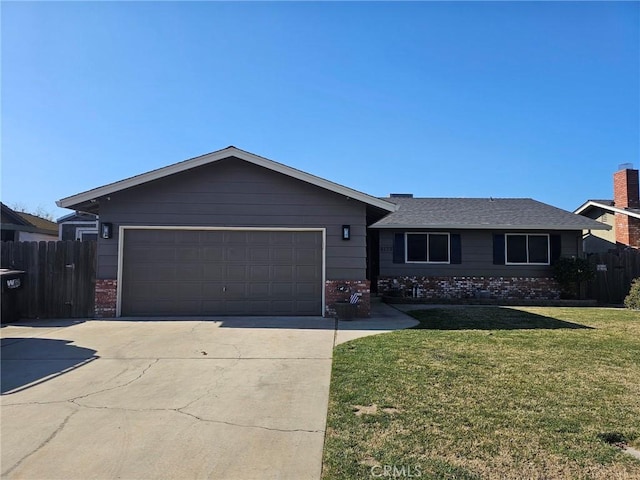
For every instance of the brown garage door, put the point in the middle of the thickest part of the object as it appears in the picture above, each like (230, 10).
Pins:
(221, 272)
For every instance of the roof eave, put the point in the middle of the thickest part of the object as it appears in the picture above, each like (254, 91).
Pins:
(92, 195)
(592, 204)
(602, 226)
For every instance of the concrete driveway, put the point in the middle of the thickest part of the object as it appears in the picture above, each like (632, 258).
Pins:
(232, 398)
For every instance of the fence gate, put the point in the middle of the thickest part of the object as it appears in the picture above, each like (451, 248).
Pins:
(60, 277)
(614, 273)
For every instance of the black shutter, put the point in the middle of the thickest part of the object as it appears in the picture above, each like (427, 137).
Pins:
(398, 248)
(498, 249)
(456, 248)
(556, 247)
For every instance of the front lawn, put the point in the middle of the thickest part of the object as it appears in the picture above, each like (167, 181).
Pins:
(488, 392)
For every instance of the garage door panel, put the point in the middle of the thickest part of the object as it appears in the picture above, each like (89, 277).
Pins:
(188, 253)
(306, 256)
(260, 254)
(282, 289)
(213, 272)
(212, 254)
(160, 291)
(260, 273)
(282, 256)
(309, 289)
(193, 272)
(155, 237)
(236, 255)
(151, 271)
(212, 290)
(283, 273)
(144, 254)
(237, 273)
(259, 290)
(305, 271)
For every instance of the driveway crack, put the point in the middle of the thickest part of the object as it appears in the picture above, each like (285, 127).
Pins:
(261, 427)
(73, 400)
(43, 444)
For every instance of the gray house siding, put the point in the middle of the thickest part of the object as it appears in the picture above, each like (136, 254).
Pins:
(235, 193)
(477, 257)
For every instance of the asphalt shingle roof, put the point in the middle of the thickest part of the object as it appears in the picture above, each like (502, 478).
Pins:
(483, 213)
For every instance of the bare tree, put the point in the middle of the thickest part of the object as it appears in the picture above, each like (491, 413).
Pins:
(41, 211)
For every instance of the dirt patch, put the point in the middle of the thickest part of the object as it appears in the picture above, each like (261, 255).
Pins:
(373, 410)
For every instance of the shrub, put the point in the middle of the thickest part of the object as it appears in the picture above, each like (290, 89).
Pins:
(633, 299)
(570, 272)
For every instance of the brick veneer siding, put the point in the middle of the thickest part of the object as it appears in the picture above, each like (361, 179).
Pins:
(106, 298)
(341, 291)
(627, 230)
(626, 189)
(501, 288)
(626, 195)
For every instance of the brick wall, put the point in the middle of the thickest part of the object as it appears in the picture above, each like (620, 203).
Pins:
(106, 298)
(626, 193)
(627, 230)
(626, 189)
(341, 290)
(501, 288)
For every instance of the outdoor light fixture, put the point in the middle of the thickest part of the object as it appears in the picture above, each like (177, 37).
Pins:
(346, 232)
(106, 230)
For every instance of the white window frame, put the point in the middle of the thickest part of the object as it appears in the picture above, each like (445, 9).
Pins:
(83, 231)
(406, 248)
(527, 235)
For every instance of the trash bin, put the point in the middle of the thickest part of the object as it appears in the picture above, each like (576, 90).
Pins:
(346, 311)
(12, 282)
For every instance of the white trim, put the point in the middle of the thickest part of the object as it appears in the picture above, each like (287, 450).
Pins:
(123, 228)
(527, 235)
(82, 231)
(610, 208)
(406, 248)
(90, 195)
(63, 219)
(87, 222)
(79, 222)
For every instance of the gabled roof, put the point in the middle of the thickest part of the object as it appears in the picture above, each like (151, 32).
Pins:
(40, 223)
(26, 222)
(483, 213)
(607, 205)
(11, 216)
(91, 195)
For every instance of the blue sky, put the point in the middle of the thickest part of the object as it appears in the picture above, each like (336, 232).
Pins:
(440, 99)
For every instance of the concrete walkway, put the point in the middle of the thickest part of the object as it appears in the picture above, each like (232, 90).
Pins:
(215, 398)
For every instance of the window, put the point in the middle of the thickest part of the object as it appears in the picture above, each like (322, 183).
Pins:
(427, 247)
(527, 249)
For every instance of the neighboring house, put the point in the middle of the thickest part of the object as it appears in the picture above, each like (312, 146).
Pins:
(78, 226)
(622, 214)
(233, 233)
(24, 227)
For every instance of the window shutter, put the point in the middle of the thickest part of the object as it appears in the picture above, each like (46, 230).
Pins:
(456, 248)
(398, 248)
(556, 247)
(498, 249)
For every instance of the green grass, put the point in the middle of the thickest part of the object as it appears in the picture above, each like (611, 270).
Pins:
(484, 392)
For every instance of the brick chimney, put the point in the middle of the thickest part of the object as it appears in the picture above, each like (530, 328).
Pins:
(626, 195)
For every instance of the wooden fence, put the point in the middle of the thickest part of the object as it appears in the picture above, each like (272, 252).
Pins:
(60, 277)
(614, 273)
